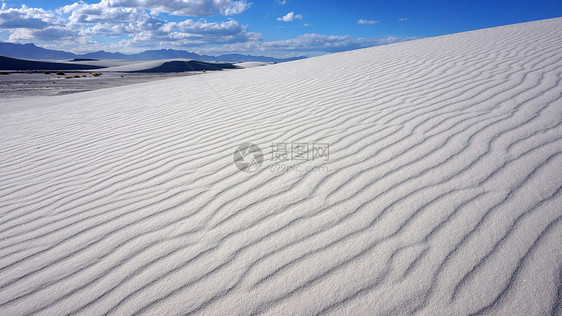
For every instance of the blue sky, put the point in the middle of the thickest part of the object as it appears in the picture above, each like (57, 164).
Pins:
(265, 27)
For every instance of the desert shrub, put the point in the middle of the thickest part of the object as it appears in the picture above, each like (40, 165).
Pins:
(4, 73)
(68, 77)
(95, 74)
(83, 76)
(60, 73)
(46, 72)
(76, 76)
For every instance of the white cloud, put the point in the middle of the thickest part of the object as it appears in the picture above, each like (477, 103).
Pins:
(81, 21)
(102, 12)
(186, 7)
(144, 29)
(27, 23)
(47, 34)
(289, 17)
(402, 19)
(280, 2)
(79, 25)
(26, 17)
(328, 43)
(192, 33)
(361, 21)
(307, 43)
(230, 27)
(105, 29)
(190, 40)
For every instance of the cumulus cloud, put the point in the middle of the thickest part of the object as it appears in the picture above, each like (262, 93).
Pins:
(361, 21)
(402, 19)
(105, 19)
(105, 29)
(102, 12)
(190, 33)
(27, 23)
(280, 2)
(186, 7)
(230, 27)
(116, 18)
(47, 34)
(26, 17)
(289, 17)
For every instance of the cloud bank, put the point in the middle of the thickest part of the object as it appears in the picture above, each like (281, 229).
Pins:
(134, 25)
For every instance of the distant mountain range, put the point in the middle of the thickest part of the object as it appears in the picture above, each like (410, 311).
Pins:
(32, 51)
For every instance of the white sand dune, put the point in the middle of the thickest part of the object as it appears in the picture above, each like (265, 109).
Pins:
(441, 194)
(251, 64)
(104, 63)
(171, 65)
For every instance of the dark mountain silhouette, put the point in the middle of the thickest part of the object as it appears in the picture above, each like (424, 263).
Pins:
(32, 51)
(103, 55)
(169, 54)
